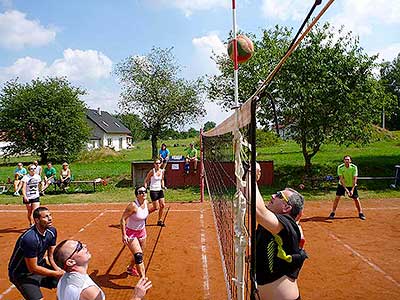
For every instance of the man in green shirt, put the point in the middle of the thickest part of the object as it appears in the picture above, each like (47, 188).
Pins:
(347, 173)
(50, 174)
(191, 155)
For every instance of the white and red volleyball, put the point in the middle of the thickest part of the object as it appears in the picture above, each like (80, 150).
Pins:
(245, 49)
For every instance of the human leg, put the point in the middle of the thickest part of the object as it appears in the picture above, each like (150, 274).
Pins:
(137, 260)
(33, 206)
(195, 164)
(340, 191)
(28, 286)
(160, 212)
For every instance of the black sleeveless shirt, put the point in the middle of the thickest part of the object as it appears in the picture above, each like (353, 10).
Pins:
(278, 255)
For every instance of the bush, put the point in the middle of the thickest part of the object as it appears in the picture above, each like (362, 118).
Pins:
(266, 138)
(99, 154)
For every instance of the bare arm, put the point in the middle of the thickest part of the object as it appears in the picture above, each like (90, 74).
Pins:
(147, 179)
(91, 293)
(34, 268)
(50, 256)
(265, 217)
(24, 197)
(129, 210)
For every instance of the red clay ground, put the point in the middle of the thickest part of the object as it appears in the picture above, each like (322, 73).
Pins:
(349, 258)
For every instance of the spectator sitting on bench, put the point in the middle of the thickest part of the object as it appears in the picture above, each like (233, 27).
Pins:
(65, 177)
(191, 155)
(19, 173)
(50, 175)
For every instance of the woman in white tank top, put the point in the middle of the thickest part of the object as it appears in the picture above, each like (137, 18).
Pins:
(156, 179)
(133, 230)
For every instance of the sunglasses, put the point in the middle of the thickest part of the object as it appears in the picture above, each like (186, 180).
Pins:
(79, 247)
(142, 192)
(32, 169)
(281, 195)
(157, 163)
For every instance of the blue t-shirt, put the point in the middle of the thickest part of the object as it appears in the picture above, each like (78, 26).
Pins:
(20, 172)
(164, 153)
(30, 244)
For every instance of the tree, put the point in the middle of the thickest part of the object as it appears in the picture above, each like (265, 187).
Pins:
(152, 89)
(209, 125)
(134, 124)
(390, 76)
(325, 92)
(45, 117)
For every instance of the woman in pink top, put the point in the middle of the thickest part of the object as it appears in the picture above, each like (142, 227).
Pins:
(133, 230)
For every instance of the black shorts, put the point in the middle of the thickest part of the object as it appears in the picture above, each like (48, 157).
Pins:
(156, 195)
(341, 191)
(29, 284)
(34, 200)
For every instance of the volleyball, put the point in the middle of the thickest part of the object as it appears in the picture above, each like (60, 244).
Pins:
(245, 49)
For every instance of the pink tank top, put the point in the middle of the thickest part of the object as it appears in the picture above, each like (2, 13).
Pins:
(137, 221)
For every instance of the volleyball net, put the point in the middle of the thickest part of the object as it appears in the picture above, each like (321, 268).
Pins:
(225, 157)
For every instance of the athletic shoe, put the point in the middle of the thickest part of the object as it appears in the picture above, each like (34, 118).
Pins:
(16, 194)
(160, 223)
(361, 216)
(332, 215)
(132, 271)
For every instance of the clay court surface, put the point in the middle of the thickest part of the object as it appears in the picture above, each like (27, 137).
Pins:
(349, 258)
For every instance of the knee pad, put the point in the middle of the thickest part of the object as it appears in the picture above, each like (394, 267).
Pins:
(138, 258)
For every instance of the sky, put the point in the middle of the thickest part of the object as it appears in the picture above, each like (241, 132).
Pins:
(84, 40)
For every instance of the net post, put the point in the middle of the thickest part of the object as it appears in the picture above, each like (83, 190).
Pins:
(253, 224)
(201, 167)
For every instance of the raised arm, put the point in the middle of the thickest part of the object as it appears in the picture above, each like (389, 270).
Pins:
(147, 179)
(265, 217)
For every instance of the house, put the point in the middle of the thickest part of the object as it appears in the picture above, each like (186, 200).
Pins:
(107, 131)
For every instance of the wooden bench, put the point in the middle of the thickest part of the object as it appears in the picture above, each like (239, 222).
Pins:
(93, 182)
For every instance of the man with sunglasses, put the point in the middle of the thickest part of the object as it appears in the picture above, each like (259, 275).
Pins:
(30, 192)
(73, 257)
(28, 269)
(279, 253)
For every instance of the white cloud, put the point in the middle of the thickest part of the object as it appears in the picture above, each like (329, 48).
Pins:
(364, 16)
(17, 31)
(387, 53)
(106, 99)
(205, 46)
(82, 65)
(76, 65)
(285, 9)
(190, 6)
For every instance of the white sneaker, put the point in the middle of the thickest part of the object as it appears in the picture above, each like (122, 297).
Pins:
(16, 194)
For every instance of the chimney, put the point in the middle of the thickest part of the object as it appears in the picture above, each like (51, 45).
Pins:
(99, 111)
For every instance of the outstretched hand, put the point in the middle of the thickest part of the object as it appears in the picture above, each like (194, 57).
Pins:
(141, 288)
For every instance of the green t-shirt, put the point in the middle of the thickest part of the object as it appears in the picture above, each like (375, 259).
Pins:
(191, 153)
(347, 173)
(50, 172)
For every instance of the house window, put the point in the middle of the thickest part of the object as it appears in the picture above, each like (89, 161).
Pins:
(109, 142)
(105, 123)
(94, 144)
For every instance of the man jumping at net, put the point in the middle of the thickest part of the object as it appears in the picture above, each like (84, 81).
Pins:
(279, 242)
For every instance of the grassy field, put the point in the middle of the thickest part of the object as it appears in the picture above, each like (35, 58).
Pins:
(376, 159)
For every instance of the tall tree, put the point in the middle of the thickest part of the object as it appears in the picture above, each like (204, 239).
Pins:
(151, 88)
(390, 76)
(325, 92)
(134, 124)
(209, 125)
(45, 117)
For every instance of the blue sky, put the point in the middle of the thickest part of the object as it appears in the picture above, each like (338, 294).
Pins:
(83, 40)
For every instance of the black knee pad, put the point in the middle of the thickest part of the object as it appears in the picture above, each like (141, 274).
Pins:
(138, 258)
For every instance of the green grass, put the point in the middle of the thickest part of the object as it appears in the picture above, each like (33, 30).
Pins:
(375, 159)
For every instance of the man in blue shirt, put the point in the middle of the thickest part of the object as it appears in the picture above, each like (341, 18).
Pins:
(28, 269)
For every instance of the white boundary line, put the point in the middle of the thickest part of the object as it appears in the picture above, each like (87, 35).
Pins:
(360, 256)
(206, 285)
(80, 230)
(91, 211)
